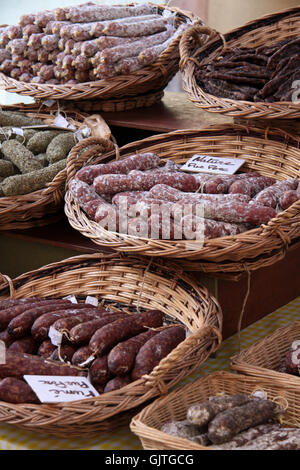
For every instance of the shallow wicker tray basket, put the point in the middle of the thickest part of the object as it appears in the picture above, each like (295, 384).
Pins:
(265, 357)
(201, 45)
(39, 207)
(271, 153)
(128, 283)
(152, 78)
(147, 424)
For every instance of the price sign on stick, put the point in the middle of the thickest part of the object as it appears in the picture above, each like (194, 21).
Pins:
(213, 165)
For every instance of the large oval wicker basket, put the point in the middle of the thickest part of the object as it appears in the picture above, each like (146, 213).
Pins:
(147, 424)
(152, 78)
(128, 283)
(39, 207)
(201, 45)
(272, 153)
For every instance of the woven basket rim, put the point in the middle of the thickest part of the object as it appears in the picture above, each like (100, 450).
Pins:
(173, 249)
(162, 70)
(202, 303)
(236, 108)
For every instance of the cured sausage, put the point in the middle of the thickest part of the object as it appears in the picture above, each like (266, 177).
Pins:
(88, 13)
(46, 348)
(112, 184)
(237, 212)
(270, 195)
(144, 28)
(121, 358)
(66, 324)
(116, 383)
(82, 333)
(194, 227)
(109, 335)
(99, 371)
(63, 353)
(13, 390)
(202, 413)
(9, 313)
(81, 355)
(226, 424)
(166, 193)
(19, 364)
(251, 186)
(142, 161)
(155, 349)
(41, 325)
(24, 345)
(288, 198)
(20, 325)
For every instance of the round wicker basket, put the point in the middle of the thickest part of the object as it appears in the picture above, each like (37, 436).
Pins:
(147, 424)
(148, 79)
(266, 357)
(273, 153)
(126, 283)
(201, 45)
(39, 207)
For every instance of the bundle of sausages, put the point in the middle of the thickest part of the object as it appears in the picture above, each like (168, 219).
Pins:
(85, 43)
(139, 197)
(30, 158)
(236, 422)
(265, 73)
(291, 363)
(114, 347)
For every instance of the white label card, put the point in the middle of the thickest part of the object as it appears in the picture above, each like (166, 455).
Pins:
(91, 300)
(56, 389)
(213, 165)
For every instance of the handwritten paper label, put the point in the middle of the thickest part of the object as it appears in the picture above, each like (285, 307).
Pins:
(213, 165)
(17, 131)
(55, 389)
(71, 298)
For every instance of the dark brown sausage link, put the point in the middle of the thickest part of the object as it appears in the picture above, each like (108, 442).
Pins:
(19, 364)
(13, 390)
(121, 358)
(116, 383)
(82, 333)
(109, 335)
(99, 371)
(155, 349)
(24, 345)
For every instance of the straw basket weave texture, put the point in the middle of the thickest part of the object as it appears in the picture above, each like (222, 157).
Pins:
(265, 357)
(148, 79)
(201, 45)
(39, 207)
(130, 284)
(147, 424)
(273, 153)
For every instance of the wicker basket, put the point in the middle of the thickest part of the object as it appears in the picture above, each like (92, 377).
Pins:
(151, 78)
(273, 154)
(147, 424)
(265, 357)
(128, 282)
(201, 45)
(39, 207)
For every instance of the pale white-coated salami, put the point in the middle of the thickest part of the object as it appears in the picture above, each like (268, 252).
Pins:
(146, 27)
(270, 196)
(162, 191)
(89, 13)
(141, 161)
(112, 184)
(251, 186)
(197, 227)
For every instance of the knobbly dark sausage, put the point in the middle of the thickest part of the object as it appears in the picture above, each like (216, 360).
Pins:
(81, 355)
(19, 364)
(82, 333)
(116, 383)
(99, 371)
(63, 353)
(24, 345)
(13, 390)
(155, 349)
(109, 335)
(121, 358)
(46, 348)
